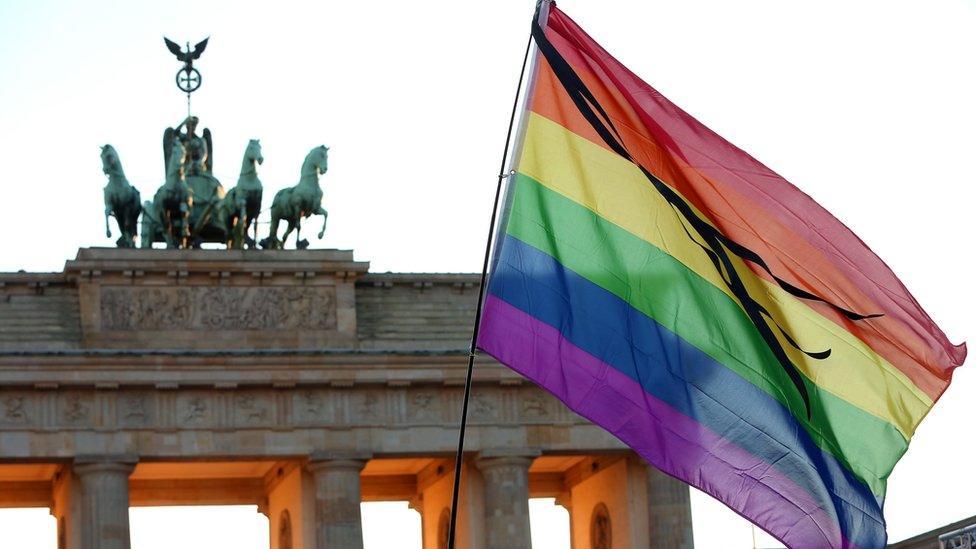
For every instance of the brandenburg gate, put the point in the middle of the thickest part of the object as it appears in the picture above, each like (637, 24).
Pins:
(299, 382)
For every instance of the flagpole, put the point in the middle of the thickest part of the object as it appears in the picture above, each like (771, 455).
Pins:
(503, 172)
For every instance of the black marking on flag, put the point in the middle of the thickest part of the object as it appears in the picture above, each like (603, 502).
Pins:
(716, 244)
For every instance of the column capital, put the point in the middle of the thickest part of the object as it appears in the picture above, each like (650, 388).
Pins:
(497, 457)
(337, 459)
(103, 491)
(506, 493)
(338, 521)
(120, 463)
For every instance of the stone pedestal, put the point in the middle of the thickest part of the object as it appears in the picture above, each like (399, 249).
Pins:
(506, 488)
(337, 498)
(103, 486)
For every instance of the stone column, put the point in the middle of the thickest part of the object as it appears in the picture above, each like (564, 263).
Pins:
(506, 485)
(103, 483)
(338, 521)
(669, 506)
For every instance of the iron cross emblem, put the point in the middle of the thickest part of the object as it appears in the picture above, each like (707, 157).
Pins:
(188, 79)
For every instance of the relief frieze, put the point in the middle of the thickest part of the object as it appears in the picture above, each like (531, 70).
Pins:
(252, 409)
(218, 308)
(201, 409)
(14, 410)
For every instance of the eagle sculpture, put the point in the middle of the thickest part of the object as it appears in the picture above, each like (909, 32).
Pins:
(187, 56)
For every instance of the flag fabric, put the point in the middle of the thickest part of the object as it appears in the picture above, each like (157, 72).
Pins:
(675, 291)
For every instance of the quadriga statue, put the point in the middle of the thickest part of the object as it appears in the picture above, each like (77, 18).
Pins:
(121, 199)
(302, 200)
(204, 188)
(167, 217)
(240, 207)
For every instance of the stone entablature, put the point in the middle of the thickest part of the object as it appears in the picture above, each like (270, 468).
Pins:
(54, 420)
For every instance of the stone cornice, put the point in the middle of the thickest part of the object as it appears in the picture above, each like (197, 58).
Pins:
(379, 279)
(114, 260)
(230, 352)
(226, 372)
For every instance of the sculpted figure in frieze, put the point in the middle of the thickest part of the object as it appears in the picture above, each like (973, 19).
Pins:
(217, 308)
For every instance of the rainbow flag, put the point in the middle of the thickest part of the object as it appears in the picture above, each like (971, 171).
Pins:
(672, 289)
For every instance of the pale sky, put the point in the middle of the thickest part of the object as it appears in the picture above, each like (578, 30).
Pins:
(867, 105)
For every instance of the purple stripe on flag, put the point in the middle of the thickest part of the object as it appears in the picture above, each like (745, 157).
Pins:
(669, 440)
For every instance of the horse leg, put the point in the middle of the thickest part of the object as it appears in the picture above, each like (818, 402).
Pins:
(240, 227)
(273, 231)
(228, 227)
(168, 229)
(131, 225)
(184, 224)
(291, 227)
(255, 222)
(126, 237)
(325, 217)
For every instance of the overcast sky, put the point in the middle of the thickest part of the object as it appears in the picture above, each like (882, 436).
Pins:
(867, 105)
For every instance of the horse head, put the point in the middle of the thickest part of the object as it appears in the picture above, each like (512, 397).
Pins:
(110, 161)
(177, 157)
(253, 152)
(318, 158)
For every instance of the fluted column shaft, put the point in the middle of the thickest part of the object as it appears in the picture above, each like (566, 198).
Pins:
(506, 481)
(104, 491)
(669, 506)
(338, 520)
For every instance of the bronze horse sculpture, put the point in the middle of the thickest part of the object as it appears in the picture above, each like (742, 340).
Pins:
(205, 190)
(121, 199)
(302, 200)
(238, 210)
(169, 212)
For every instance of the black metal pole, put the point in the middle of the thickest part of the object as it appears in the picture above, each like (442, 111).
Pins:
(458, 458)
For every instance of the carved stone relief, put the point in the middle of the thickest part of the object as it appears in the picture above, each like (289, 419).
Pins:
(193, 409)
(484, 406)
(534, 407)
(255, 408)
(313, 406)
(366, 406)
(423, 406)
(250, 408)
(218, 308)
(134, 410)
(14, 409)
(75, 408)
